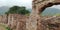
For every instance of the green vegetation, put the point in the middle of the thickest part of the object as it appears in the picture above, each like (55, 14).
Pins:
(8, 28)
(51, 12)
(18, 10)
(57, 14)
(4, 27)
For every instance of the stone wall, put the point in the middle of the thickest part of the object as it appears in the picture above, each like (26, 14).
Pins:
(21, 22)
(3, 19)
(50, 23)
(17, 22)
(38, 6)
(14, 21)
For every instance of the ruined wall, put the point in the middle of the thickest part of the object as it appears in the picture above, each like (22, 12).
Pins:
(50, 23)
(17, 22)
(20, 22)
(38, 7)
(3, 19)
(14, 21)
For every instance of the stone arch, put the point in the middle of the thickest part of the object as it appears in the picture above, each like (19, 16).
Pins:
(47, 5)
(40, 5)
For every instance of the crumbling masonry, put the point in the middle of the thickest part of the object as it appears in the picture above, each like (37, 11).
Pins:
(38, 7)
(14, 21)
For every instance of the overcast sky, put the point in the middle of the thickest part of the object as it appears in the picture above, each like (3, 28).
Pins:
(26, 3)
(56, 6)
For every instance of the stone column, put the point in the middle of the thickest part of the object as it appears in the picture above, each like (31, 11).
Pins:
(31, 23)
(21, 25)
(8, 20)
(18, 25)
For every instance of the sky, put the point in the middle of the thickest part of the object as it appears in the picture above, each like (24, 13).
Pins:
(26, 3)
(56, 6)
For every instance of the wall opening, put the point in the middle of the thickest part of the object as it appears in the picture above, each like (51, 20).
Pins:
(51, 11)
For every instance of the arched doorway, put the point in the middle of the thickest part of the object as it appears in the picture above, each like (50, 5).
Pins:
(42, 25)
(46, 6)
(51, 11)
(38, 8)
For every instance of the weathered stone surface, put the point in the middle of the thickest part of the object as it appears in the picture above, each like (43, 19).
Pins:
(14, 21)
(50, 23)
(38, 7)
(17, 22)
(3, 19)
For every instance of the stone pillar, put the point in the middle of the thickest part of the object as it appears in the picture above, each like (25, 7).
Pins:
(8, 20)
(31, 23)
(21, 25)
(18, 25)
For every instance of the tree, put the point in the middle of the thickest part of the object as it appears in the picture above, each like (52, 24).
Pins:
(18, 10)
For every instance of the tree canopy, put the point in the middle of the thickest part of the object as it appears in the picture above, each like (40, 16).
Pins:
(18, 10)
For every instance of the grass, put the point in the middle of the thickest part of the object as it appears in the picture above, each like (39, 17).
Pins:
(4, 27)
